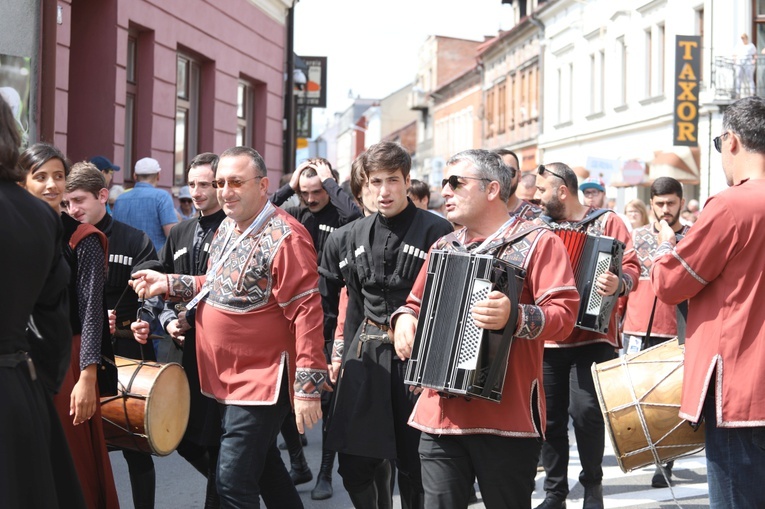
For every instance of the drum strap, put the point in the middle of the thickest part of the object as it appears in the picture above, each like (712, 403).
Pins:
(682, 318)
(650, 322)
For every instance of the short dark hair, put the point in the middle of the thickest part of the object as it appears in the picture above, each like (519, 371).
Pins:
(666, 185)
(358, 176)
(256, 161)
(87, 177)
(38, 154)
(10, 140)
(746, 118)
(507, 152)
(203, 159)
(311, 171)
(566, 174)
(387, 156)
(419, 189)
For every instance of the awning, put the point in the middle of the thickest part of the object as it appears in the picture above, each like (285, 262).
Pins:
(681, 163)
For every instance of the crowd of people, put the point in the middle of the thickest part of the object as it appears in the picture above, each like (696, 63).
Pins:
(302, 306)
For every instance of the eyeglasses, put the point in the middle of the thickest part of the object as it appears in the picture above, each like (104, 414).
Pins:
(718, 141)
(541, 171)
(454, 181)
(232, 183)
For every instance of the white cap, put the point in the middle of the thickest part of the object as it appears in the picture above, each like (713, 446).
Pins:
(147, 166)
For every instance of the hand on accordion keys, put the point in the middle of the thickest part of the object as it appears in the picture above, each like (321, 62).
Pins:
(607, 283)
(492, 313)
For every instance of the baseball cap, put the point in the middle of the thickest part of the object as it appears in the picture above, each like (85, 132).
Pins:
(593, 183)
(103, 164)
(147, 166)
(184, 193)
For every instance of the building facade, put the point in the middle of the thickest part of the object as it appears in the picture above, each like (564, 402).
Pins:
(147, 78)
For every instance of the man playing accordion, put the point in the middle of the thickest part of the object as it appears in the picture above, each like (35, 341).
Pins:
(569, 388)
(465, 438)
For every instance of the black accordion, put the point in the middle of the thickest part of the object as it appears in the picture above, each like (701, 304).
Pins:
(450, 353)
(591, 256)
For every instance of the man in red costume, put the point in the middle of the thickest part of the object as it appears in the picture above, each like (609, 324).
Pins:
(497, 443)
(569, 388)
(718, 268)
(259, 331)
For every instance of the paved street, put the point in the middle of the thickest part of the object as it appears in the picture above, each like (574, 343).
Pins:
(180, 486)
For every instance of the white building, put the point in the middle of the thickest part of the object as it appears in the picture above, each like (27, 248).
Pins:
(609, 86)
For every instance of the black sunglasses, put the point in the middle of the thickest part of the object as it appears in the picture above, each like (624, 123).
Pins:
(454, 181)
(718, 141)
(541, 171)
(232, 183)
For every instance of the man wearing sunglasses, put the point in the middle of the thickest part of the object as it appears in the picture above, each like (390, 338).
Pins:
(718, 267)
(259, 330)
(517, 206)
(497, 443)
(383, 255)
(569, 388)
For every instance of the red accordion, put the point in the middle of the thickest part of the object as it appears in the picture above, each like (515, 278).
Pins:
(591, 256)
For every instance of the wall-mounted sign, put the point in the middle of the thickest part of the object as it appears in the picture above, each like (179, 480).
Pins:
(315, 93)
(687, 75)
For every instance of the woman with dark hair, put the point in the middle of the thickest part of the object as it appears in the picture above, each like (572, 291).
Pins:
(37, 469)
(77, 403)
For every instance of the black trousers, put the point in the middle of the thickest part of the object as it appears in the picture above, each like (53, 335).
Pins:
(569, 390)
(505, 468)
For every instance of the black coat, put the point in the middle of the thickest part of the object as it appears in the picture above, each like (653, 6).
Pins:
(177, 257)
(362, 419)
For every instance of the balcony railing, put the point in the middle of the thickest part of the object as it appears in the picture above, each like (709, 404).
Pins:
(734, 79)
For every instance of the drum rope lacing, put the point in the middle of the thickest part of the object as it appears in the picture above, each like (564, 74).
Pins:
(653, 447)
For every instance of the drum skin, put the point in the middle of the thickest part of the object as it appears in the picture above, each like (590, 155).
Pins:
(639, 395)
(151, 410)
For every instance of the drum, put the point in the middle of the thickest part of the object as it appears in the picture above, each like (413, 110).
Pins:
(639, 395)
(151, 409)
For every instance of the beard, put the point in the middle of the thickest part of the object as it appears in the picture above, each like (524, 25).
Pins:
(671, 220)
(554, 209)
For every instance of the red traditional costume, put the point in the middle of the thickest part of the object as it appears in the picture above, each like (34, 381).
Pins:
(719, 268)
(548, 307)
(641, 299)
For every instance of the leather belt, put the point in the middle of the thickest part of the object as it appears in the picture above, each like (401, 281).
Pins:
(371, 322)
(364, 337)
(12, 360)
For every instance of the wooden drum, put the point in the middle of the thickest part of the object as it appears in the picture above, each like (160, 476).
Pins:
(151, 410)
(639, 395)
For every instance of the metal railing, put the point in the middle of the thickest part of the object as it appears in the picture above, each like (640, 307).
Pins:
(734, 79)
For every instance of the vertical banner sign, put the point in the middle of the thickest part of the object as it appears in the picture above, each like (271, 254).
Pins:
(315, 93)
(687, 75)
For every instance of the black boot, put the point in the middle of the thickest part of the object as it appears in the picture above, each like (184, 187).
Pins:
(384, 482)
(551, 502)
(323, 488)
(142, 486)
(593, 497)
(659, 480)
(299, 471)
(364, 499)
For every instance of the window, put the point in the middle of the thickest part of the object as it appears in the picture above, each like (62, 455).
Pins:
(130, 101)
(186, 116)
(502, 97)
(621, 54)
(490, 113)
(649, 63)
(513, 100)
(661, 43)
(244, 114)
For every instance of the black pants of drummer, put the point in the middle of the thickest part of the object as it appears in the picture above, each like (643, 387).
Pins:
(358, 472)
(505, 468)
(569, 390)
